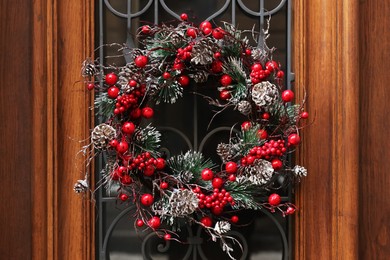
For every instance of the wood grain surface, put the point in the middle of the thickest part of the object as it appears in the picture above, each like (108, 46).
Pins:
(63, 226)
(326, 64)
(374, 213)
(15, 129)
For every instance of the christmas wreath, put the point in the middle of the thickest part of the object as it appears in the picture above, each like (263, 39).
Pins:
(189, 188)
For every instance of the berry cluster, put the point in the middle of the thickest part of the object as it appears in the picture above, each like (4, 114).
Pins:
(269, 149)
(129, 101)
(258, 73)
(146, 163)
(183, 54)
(215, 201)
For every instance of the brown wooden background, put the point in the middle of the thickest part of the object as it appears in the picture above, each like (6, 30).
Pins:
(342, 53)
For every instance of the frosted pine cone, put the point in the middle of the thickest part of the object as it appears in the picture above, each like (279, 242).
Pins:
(222, 227)
(183, 202)
(202, 53)
(265, 94)
(88, 68)
(101, 135)
(199, 76)
(300, 171)
(224, 151)
(244, 107)
(259, 173)
(80, 186)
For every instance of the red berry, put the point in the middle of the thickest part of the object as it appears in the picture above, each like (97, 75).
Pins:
(287, 95)
(167, 237)
(115, 175)
(271, 65)
(217, 55)
(274, 199)
(290, 210)
(154, 222)
(246, 126)
(124, 197)
(178, 66)
(122, 147)
(207, 221)
(277, 164)
(164, 185)
(128, 128)
(90, 86)
(305, 115)
(217, 210)
(256, 67)
(139, 223)
(147, 112)
(226, 80)
(216, 66)
(232, 177)
(217, 183)
(294, 139)
(133, 83)
(206, 30)
(141, 61)
(126, 180)
(234, 219)
(184, 17)
(166, 75)
(207, 174)
(149, 170)
(231, 167)
(114, 143)
(225, 95)
(160, 163)
(136, 113)
(262, 134)
(191, 32)
(265, 116)
(145, 29)
(147, 199)
(111, 78)
(113, 92)
(184, 80)
(248, 52)
(280, 74)
(218, 33)
(205, 24)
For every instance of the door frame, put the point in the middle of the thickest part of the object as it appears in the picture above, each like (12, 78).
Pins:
(63, 223)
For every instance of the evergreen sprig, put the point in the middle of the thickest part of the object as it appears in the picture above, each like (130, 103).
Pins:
(147, 139)
(192, 162)
(104, 105)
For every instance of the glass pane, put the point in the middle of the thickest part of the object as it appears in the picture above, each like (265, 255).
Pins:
(184, 128)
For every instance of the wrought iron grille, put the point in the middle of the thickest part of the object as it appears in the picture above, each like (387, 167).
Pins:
(188, 132)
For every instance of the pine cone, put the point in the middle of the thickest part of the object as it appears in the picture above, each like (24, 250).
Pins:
(88, 68)
(183, 202)
(185, 176)
(202, 53)
(224, 151)
(300, 171)
(265, 94)
(259, 173)
(200, 76)
(80, 186)
(101, 135)
(244, 107)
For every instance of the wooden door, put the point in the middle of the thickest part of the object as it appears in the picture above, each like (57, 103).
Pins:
(341, 57)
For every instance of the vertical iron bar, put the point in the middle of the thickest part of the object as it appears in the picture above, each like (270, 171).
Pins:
(234, 12)
(99, 161)
(289, 80)
(156, 12)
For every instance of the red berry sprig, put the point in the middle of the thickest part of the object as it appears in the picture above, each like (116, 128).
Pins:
(215, 201)
(267, 151)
